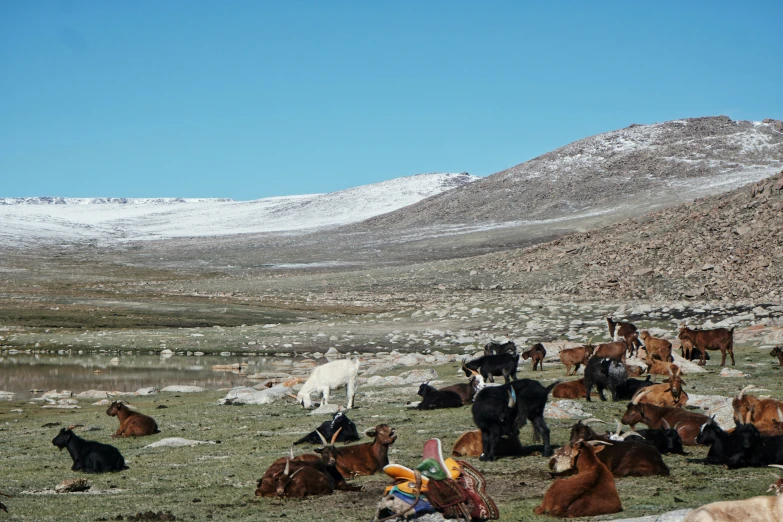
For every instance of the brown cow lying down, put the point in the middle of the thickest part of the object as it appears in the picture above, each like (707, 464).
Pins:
(590, 492)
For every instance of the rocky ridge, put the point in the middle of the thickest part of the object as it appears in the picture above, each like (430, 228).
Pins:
(728, 246)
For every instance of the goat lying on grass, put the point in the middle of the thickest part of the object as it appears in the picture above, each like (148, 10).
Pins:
(89, 456)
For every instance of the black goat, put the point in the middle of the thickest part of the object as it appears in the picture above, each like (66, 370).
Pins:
(723, 446)
(604, 372)
(665, 440)
(433, 399)
(89, 456)
(503, 410)
(489, 366)
(626, 390)
(329, 428)
(496, 348)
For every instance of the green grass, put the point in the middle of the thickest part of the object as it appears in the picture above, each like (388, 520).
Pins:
(218, 481)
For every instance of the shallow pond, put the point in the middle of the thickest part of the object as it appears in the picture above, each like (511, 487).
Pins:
(22, 372)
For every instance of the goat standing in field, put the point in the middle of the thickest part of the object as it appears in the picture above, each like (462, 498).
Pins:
(328, 377)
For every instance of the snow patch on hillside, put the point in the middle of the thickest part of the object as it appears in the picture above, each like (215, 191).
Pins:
(51, 219)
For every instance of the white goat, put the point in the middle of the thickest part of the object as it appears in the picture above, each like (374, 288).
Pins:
(330, 376)
(756, 509)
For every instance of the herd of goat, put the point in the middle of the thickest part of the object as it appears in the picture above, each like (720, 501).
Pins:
(584, 468)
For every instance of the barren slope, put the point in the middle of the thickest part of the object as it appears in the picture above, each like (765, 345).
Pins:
(725, 246)
(640, 167)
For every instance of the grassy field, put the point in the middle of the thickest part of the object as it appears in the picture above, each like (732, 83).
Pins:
(217, 482)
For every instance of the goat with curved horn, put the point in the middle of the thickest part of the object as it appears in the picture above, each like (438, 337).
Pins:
(743, 390)
(641, 393)
(336, 433)
(630, 434)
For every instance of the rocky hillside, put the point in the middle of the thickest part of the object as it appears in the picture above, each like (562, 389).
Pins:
(726, 246)
(631, 170)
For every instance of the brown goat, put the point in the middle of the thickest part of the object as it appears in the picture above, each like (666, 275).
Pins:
(132, 423)
(670, 393)
(634, 371)
(590, 492)
(656, 367)
(765, 414)
(614, 350)
(537, 352)
(323, 463)
(277, 477)
(687, 423)
(778, 352)
(304, 481)
(625, 458)
(657, 347)
(367, 458)
(576, 356)
(627, 332)
(717, 339)
(469, 445)
(571, 390)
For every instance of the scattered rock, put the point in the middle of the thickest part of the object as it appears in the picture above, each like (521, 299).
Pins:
(730, 372)
(183, 389)
(146, 391)
(176, 442)
(325, 409)
(93, 394)
(72, 485)
(564, 409)
(267, 396)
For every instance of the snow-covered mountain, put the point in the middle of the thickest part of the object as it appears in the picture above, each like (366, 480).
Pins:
(54, 219)
(624, 172)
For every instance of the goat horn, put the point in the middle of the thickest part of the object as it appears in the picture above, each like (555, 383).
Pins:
(598, 442)
(641, 393)
(630, 434)
(291, 452)
(775, 466)
(675, 426)
(619, 426)
(748, 417)
(323, 439)
(666, 424)
(591, 419)
(287, 467)
(336, 433)
(670, 371)
(746, 388)
(590, 340)
(296, 471)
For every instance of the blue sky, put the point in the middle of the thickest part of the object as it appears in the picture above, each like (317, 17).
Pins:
(249, 99)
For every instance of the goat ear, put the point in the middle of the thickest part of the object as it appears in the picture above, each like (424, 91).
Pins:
(371, 433)
(318, 450)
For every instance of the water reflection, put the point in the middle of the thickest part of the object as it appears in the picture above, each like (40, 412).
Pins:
(22, 372)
